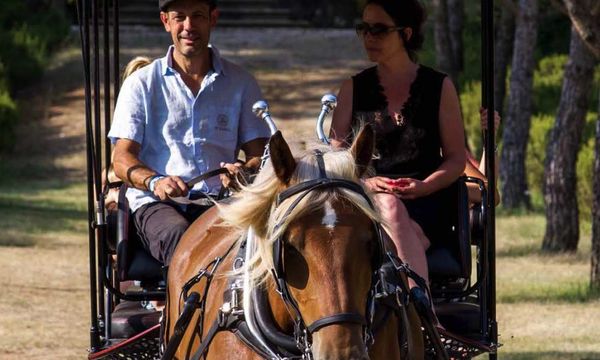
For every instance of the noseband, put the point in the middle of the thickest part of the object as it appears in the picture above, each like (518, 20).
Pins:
(302, 332)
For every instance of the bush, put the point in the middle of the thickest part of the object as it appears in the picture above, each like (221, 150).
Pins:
(470, 100)
(8, 119)
(29, 31)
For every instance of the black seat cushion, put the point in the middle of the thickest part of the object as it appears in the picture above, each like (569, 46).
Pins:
(443, 263)
(459, 317)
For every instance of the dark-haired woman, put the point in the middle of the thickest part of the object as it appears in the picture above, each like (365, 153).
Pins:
(419, 130)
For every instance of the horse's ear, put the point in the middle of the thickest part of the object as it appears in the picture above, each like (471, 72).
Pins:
(362, 149)
(281, 157)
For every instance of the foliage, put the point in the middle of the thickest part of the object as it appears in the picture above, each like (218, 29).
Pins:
(28, 32)
(470, 99)
(8, 120)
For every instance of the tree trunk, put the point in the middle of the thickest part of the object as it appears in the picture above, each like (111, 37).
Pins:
(516, 130)
(585, 15)
(504, 41)
(560, 178)
(443, 44)
(456, 22)
(595, 278)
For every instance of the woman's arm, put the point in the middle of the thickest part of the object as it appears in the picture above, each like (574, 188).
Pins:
(453, 150)
(452, 136)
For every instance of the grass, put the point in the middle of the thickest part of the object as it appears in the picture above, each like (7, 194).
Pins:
(546, 309)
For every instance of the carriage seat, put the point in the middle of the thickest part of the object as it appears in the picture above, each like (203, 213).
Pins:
(450, 259)
(133, 261)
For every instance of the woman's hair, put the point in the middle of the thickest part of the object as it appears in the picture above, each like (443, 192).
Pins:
(406, 13)
(135, 64)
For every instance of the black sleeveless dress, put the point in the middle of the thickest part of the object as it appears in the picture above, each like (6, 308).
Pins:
(408, 146)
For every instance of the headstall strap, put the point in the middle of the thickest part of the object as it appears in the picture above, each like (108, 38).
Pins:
(321, 163)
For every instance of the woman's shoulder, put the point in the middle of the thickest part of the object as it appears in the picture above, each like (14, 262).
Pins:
(368, 73)
(431, 73)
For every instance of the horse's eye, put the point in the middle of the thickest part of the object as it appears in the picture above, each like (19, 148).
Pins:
(295, 267)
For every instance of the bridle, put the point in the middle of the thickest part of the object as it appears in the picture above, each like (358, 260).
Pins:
(302, 331)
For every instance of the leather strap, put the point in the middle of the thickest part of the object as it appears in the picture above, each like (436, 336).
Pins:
(206, 175)
(341, 318)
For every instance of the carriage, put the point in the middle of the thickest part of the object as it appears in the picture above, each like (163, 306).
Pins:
(124, 279)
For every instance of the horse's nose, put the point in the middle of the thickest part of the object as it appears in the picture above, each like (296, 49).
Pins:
(339, 342)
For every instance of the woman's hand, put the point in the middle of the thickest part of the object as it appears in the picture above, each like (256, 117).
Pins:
(484, 120)
(380, 184)
(407, 188)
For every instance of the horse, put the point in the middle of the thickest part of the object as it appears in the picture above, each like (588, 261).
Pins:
(318, 248)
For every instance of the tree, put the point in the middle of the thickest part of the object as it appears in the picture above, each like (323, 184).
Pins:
(456, 24)
(504, 40)
(595, 277)
(560, 180)
(517, 122)
(585, 15)
(446, 61)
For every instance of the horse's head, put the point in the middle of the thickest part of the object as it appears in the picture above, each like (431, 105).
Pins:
(318, 237)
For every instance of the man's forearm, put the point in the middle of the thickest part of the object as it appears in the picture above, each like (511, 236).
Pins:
(133, 172)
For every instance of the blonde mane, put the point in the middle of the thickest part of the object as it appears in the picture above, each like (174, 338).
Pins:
(255, 205)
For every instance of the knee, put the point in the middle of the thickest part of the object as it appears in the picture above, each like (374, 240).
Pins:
(392, 209)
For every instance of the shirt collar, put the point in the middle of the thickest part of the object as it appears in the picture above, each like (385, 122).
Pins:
(217, 63)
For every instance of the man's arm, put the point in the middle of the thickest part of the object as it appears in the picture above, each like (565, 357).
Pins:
(253, 150)
(135, 173)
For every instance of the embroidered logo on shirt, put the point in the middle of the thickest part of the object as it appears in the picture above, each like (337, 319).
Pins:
(222, 123)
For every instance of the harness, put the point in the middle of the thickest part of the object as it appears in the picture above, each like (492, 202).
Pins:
(270, 343)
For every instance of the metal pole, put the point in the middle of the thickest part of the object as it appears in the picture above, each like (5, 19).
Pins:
(105, 263)
(487, 18)
(97, 153)
(83, 15)
(117, 70)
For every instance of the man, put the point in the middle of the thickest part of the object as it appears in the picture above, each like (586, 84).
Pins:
(183, 115)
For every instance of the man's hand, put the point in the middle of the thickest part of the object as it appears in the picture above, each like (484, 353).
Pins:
(170, 187)
(228, 180)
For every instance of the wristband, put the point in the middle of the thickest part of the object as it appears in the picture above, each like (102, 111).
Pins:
(153, 181)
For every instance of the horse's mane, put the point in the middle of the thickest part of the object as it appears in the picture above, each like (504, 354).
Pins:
(255, 205)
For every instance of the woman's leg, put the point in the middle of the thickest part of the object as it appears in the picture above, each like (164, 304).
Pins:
(408, 237)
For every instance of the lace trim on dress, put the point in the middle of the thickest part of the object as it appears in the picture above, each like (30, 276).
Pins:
(411, 104)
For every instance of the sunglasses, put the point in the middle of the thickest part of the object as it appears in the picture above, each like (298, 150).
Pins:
(376, 30)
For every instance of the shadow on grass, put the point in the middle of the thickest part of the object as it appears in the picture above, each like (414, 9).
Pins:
(566, 293)
(550, 355)
(23, 221)
(520, 250)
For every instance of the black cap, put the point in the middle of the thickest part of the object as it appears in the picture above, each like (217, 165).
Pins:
(162, 4)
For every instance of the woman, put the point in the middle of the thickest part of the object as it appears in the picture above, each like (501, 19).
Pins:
(419, 131)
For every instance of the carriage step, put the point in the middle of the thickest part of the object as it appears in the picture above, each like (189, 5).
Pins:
(142, 346)
(130, 318)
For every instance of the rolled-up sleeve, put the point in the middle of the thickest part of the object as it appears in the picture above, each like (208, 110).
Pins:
(130, 112)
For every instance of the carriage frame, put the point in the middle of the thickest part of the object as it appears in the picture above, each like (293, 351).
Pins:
(99, 36)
